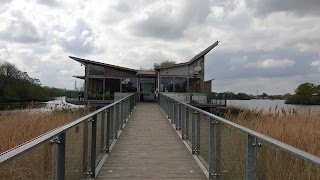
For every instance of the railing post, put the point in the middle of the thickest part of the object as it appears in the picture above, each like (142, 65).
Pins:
(250, 157)
(117, 106)
(194, 129)
(108, 131)
(61, 141)
(93, 146)
(213, 164)
(180, 116)
(185, 130)
(183, 122)
(173, 116)
(177, 115)
(120, 115)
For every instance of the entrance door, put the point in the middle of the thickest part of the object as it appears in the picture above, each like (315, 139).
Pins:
(147, 92)
(194, 85)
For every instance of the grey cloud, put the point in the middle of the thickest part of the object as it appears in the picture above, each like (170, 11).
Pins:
(5, 1)
(122, 7)
(233, 65)
(79, 40)
(248, 79)
(169, 22)
(20, 30)
(51, 3)
(298, 7)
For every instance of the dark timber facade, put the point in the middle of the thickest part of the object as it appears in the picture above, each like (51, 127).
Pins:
(104, 82)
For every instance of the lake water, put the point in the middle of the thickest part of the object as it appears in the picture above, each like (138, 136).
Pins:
(57, 103)
(266, 104)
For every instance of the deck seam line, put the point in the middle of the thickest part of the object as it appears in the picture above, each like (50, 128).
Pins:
(202, 167)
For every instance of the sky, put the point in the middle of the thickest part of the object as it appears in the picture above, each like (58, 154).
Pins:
(266, 46)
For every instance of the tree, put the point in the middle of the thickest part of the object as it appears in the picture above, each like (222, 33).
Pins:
(306, 90)
(306, 93)
(264, 95)
(163, 64)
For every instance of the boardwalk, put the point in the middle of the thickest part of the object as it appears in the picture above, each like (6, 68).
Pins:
(149, 148)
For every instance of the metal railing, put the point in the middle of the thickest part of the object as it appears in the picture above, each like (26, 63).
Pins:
(74, 95)
(73, 151)
(198, 98)
(230, 151)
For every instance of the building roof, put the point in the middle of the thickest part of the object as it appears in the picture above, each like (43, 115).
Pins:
(80, 77)
(202, 53)
(86, 61)
(146, 73)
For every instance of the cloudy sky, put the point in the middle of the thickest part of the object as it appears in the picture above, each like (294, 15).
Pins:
(269, 45)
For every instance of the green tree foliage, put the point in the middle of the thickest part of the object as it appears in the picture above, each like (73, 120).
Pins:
(231, 95)
(16, 85)
(306, 93)
(264, 95)
(163, 64)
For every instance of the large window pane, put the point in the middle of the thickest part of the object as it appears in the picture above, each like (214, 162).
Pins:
(129, 85)
(180, 84)
(95, 70)
(95, 91)
(166, 84)
(111, 86)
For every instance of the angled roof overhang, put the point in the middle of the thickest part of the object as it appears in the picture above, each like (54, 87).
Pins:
(202, 53)
(79, 77)
(86, 61)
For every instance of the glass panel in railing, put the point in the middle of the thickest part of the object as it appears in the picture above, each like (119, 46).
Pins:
(115, 121)
(76, 150)
(100, 134)
(87, 147)
(112, 124)
(181, 111)
(231, 152)
(38, 163)
(189, 126)
(274, 163)
(203, 139)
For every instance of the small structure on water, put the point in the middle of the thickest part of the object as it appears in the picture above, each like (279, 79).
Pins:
(105, 83)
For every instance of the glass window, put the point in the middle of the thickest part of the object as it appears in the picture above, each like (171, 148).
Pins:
(129, 85)
(166, 84)
(95, 89)
(180, 84)
(96, 70)
(111, 86)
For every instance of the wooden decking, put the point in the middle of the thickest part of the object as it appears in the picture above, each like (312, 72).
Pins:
(149, 148)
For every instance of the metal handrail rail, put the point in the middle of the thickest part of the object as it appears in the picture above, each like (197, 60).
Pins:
(290, 149)
(31, 144)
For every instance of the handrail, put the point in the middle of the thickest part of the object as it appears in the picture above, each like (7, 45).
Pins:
(292, 150)
(29, 145)
(307, 157)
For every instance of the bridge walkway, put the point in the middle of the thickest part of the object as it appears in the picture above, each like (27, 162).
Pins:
(150, 148)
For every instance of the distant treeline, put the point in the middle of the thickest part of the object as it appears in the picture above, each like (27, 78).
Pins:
(306, 93)
(16, 85)
(244, 96)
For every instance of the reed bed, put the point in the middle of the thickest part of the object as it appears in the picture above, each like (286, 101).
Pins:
(23, 125)
(296, 127)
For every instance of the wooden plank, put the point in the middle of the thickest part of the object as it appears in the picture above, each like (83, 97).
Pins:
(149, 148)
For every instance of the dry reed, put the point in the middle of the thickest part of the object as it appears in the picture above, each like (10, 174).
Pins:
(296, 127)
(24, 125)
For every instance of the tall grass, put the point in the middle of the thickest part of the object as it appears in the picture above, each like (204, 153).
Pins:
(298, 128)
(21, 126)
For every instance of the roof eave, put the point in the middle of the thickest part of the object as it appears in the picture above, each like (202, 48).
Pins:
(86, 61)
(196, 57)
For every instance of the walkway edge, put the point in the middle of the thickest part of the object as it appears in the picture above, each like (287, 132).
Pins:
(195, 157)
(105, 157)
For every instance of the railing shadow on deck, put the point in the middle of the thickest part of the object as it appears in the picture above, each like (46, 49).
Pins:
(230, 151)
(74, 151)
